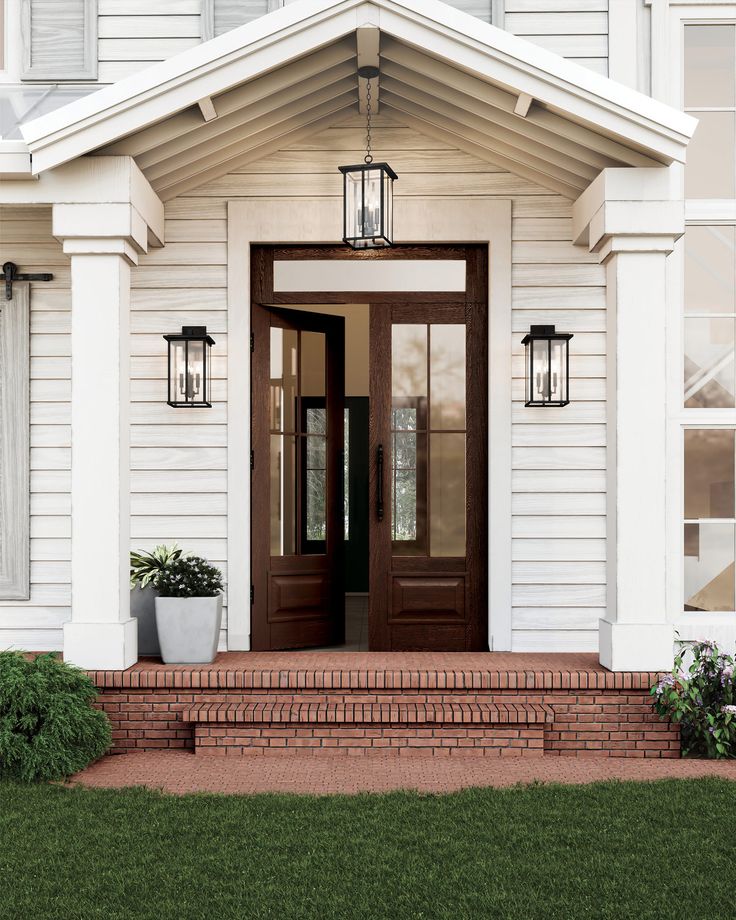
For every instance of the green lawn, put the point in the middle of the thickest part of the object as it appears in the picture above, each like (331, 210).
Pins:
(615, 850)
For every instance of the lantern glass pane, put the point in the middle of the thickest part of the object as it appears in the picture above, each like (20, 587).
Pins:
(540, 369)
(178, 381)
(372, 213)
(558, 371)
(353, 205)
(195, 371)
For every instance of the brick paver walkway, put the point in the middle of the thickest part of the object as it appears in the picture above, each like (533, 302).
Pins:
(180, 772)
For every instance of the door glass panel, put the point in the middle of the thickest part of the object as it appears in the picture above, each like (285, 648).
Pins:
(709, 567)
(709, 363)
(709, 473)
(447, 376)
(283, 390)
(409, 360)
(447, 494)
(346, 473)
(283, 495)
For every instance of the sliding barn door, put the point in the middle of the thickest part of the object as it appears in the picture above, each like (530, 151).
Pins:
(297, 513)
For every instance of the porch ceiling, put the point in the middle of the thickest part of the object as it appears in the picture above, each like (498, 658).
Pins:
(293, 73)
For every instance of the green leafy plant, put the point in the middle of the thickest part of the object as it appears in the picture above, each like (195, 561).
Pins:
(48, 727)
(145, 567)
(702, 698)
(189, 577)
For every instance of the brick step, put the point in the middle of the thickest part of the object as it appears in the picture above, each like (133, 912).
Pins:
(405, 727)
(370, 713)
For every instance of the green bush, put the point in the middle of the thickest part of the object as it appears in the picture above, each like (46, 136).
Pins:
(48, 727)
(190, 577)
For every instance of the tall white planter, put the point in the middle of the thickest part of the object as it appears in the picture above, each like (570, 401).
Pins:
(188, 628)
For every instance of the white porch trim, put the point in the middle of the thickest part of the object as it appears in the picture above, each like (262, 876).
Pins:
(471, 220)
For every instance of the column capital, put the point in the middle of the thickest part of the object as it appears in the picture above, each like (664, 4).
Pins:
(629, 210)
(109, 228)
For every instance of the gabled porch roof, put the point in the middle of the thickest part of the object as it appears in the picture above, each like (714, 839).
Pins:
(293, 73)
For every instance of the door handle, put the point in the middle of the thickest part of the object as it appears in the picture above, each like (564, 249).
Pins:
(379, 484)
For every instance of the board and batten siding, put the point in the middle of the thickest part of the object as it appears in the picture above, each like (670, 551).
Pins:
(179, 456)
(135, 33)
(36, 623)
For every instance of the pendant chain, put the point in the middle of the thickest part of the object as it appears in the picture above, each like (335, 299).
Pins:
(368, 155)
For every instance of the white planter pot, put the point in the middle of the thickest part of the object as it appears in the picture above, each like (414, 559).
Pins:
(188, 628)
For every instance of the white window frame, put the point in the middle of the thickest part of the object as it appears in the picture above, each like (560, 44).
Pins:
(668, 85)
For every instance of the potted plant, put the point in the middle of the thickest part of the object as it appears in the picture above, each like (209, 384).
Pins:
(144, 568)
(188, 610)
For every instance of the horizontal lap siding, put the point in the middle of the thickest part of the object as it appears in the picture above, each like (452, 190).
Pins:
(575, 29)
(559, 473)
(36, 624)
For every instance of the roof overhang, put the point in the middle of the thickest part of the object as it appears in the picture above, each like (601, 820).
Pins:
(265, 84)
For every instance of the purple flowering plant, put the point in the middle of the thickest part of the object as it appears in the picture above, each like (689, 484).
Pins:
(702, 698)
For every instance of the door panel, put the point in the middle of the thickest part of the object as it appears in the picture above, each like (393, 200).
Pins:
(297, 479)
(428, 462)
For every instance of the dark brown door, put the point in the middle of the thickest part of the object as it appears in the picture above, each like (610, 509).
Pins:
(297, 516)
(428, 480)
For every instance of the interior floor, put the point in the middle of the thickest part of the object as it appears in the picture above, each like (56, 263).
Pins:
(356, 625)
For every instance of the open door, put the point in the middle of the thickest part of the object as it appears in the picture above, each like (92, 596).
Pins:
(428, 446)
(297, 512)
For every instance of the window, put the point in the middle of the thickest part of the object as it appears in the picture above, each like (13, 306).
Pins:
(710, 95)
(708, 418)
(59, 40)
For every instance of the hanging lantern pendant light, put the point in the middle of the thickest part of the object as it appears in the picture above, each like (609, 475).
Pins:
(368, 192)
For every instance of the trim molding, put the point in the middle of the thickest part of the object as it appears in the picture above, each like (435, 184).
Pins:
(469, 220)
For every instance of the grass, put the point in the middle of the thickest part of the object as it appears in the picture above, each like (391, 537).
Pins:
(618, 850)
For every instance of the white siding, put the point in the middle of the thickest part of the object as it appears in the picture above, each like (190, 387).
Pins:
(575, 29)
(179, 462)
(35, 624)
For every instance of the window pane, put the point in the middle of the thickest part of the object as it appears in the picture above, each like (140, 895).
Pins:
(709, 567)
(283, 495)
(709, 364)
(710, 168)
(283, 379)
(709, 473)
(404, 506)
(710, 270)
(710, 70)
(447, 376)
(409, 360)
(346, 473)
(447, 494)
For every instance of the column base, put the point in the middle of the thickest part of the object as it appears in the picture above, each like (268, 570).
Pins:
(101, 646)
(636, 646)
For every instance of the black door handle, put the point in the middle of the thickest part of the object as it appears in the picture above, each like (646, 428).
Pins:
(379, 484)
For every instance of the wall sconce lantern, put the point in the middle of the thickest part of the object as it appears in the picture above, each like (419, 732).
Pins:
(190, 368)
(547, 362)
(368, 193)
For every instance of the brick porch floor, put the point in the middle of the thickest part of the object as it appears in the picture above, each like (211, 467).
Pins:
(182, 772)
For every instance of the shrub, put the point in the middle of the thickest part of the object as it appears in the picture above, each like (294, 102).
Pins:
(48, 727)
(702, 700)
(145, 567)
(190, 577)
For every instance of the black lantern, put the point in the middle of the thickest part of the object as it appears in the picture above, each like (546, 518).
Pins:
(547, 366)
(190, 368)
(368, 193)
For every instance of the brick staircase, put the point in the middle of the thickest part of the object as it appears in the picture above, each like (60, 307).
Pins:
(414, 703)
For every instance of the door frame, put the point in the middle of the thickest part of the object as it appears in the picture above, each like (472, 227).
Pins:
(417, 221)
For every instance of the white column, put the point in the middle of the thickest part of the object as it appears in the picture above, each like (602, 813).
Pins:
(628, 218)
(101, 633)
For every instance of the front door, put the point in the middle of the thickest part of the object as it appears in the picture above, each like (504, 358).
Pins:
(297, 479)
(428, 476)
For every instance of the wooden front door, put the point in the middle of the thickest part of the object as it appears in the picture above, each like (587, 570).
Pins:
(428, 434)
(297, 517)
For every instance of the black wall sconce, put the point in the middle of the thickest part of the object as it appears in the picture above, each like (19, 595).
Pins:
(547, 360)
(190, 368)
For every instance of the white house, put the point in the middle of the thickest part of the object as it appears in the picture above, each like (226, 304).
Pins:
(175, 163)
